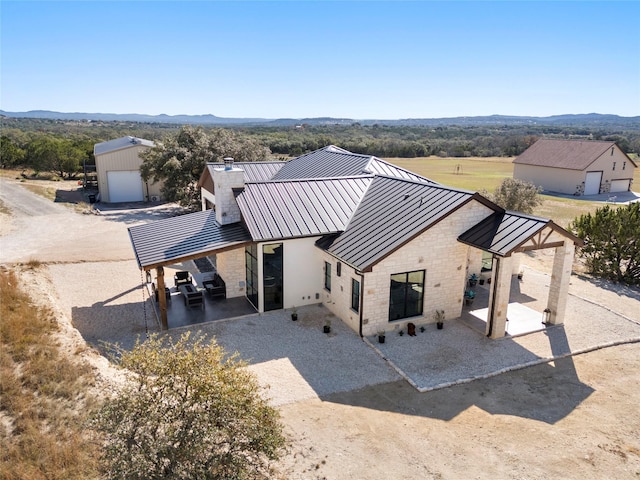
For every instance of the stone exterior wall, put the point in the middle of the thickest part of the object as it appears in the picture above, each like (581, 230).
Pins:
(227, 210)
(338, 300)
(230, 266)
(445, 261)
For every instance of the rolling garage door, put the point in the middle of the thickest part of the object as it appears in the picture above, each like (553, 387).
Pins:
(592, 183)
(125, 186)
(619, 186)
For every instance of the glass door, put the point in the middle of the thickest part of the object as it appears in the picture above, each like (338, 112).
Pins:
(272, 276)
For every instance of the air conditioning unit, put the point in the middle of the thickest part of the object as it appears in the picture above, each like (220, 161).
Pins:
(155, 198)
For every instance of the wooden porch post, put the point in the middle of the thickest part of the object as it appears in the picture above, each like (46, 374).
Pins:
(162, 298)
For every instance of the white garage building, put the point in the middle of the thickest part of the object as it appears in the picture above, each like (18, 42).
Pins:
(575, 167)
(118, 168)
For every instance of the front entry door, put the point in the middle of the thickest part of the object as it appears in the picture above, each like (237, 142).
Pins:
(272, 276)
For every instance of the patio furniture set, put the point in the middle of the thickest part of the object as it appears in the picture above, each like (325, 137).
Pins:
(191, 294)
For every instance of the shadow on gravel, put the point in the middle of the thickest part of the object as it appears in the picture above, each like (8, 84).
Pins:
(546, 393)
(618, 288)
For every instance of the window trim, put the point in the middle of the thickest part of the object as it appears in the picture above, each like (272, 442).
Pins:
(355, 295)
(327, 276)
(421, 305)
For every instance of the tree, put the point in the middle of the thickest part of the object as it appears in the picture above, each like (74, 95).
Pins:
(179, 160)
(517, 195)
(11, 155)
(611, 242)
(188, 411)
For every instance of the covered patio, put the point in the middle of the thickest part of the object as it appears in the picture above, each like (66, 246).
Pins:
(168, 245)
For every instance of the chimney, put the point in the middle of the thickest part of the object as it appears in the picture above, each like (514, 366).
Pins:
(224, 181)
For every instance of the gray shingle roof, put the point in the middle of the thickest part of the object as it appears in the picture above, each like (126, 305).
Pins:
(119, 144)
(300, 208)
(392, 212)
(172, 240)
(569, 154)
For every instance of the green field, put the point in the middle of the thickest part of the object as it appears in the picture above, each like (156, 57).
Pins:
(476, 174)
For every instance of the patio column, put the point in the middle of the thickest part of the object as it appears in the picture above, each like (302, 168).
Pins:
(560, 278)
(162, 298)
(499, 297)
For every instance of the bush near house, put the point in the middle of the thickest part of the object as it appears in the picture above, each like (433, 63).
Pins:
(611, 242)
(189, 411)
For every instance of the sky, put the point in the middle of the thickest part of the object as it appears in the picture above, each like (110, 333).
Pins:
(302, 59)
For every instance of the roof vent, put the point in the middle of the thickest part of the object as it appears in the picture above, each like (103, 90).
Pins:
(228, 163)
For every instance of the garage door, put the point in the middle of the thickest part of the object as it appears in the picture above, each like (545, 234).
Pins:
(619, 185)
(125, 186)
(592, 183)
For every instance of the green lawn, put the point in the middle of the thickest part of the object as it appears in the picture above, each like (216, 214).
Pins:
(476, 174)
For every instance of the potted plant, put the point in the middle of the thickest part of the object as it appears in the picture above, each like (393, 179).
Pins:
(438, 316)
(469, 295)
(294, 314)
(327, 326)
(381, 336)
(473, 280)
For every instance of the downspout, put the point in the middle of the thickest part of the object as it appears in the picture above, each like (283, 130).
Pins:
(361, 301)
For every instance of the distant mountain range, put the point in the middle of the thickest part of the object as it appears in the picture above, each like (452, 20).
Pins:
(588, 119)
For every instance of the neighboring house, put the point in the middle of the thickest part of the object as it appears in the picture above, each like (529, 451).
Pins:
(378, 245)
(575, 167)
(118, 168)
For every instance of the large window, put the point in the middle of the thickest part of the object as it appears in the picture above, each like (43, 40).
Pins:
(327, 276)
(251, 263)
(406, 295)
(355, 295)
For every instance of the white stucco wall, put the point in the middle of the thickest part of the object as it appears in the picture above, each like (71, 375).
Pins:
(303, 276)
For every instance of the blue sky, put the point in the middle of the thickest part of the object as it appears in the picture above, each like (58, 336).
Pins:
(382, 59)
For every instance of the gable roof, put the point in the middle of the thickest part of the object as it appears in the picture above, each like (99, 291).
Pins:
(299, 208)
(332, 162)
(503, 232)
(568, 154)
(392, 212)
(253, 171)
(119, 144)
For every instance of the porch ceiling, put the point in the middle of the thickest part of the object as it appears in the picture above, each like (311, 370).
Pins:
(182, 238)
(503, 233)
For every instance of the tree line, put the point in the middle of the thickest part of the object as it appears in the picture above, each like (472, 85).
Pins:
(62, 147)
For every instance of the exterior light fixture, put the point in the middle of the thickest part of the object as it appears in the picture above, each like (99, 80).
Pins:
(546, 314)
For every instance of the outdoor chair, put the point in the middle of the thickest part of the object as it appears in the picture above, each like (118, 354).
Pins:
(182, 278)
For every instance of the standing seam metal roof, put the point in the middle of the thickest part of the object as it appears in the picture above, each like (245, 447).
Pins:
(392, 212)
(253, 171)
(332, 162)
(503, 232)
(119, 144)
(300, 208)
(167, 241)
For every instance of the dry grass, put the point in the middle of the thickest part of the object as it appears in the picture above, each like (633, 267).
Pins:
(478, 173)
(44, 191)
(43, 395)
